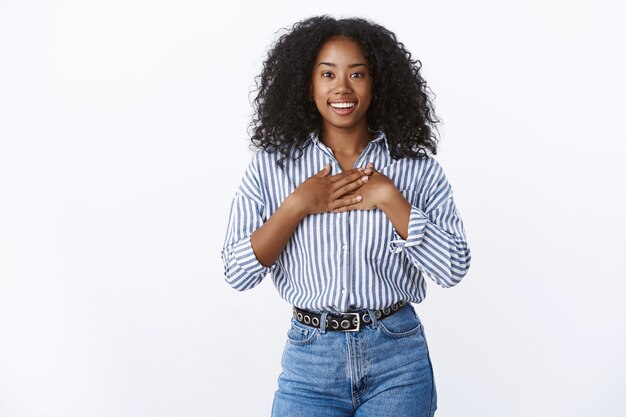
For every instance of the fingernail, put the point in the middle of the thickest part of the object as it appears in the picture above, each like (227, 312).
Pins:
(364, 178)
(368, 171)
(358, 198)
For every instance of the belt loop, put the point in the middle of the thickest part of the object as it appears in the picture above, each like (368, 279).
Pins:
(323, 322)
(372, 314)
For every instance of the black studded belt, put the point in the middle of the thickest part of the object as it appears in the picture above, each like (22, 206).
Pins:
(345, 322)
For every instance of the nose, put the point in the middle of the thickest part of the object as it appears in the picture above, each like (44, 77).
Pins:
(343, 85)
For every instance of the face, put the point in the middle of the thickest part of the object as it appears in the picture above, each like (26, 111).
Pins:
(341, 84)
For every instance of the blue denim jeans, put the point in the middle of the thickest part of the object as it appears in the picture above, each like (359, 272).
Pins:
(382, 370)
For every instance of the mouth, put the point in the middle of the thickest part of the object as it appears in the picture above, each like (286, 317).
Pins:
(343, 107)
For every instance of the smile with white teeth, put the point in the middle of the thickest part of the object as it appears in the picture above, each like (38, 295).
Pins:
(342, 105)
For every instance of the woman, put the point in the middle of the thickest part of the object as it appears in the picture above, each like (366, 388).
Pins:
(348, 211)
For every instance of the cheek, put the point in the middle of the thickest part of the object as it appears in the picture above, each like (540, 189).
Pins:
(367, 96)
(318, 86)
(319, 96)
(366, 90)
(320, 105)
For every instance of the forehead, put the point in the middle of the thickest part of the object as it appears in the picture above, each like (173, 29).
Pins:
(341, 50)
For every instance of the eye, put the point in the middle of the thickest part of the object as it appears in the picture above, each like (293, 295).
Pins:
(327, 74)
(357, 75)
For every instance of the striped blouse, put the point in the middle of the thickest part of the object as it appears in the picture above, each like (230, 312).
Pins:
(338, 262)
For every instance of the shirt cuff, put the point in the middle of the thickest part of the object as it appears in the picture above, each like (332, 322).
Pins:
(245, 258)
(417, 227)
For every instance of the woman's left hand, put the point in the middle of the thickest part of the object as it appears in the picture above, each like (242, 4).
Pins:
(377, 189)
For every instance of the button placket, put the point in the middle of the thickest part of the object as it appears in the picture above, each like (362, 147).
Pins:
(345, 291)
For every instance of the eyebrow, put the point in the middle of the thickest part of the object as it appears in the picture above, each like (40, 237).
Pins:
(330, 64)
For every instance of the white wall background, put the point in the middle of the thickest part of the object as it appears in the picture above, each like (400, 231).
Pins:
(123, 138)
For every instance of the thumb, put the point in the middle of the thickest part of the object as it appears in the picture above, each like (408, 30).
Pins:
(324, 172)
(369, 168)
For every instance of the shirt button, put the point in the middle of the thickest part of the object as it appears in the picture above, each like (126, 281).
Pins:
(344, 246)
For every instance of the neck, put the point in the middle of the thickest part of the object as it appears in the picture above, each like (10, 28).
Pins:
(347, 142)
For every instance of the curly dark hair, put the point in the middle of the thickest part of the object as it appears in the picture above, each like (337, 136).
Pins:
(284, 116)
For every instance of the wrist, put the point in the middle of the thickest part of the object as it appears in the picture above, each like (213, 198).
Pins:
(390, 199)
(294, 207)
(398, 210)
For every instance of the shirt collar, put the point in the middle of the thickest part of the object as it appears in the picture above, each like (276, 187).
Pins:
(378, 137)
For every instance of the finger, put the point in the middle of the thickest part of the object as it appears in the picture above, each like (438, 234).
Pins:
(354, 206)
(344, 202)
(351, 172)
(349, 187)
(369, 168)
(347, 179)
(324, 172)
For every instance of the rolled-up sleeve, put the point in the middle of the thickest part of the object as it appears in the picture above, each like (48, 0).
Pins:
(242, 269)
(436, 243)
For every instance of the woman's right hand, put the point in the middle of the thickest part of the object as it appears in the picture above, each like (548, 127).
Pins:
(322, 192)
(317, 194)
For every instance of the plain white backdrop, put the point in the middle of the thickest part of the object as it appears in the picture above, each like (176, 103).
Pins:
(123, 139)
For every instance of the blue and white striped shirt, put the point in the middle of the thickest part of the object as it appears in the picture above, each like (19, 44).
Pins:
(356, 259)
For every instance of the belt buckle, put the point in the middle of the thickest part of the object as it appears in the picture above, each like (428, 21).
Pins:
(358, 322)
